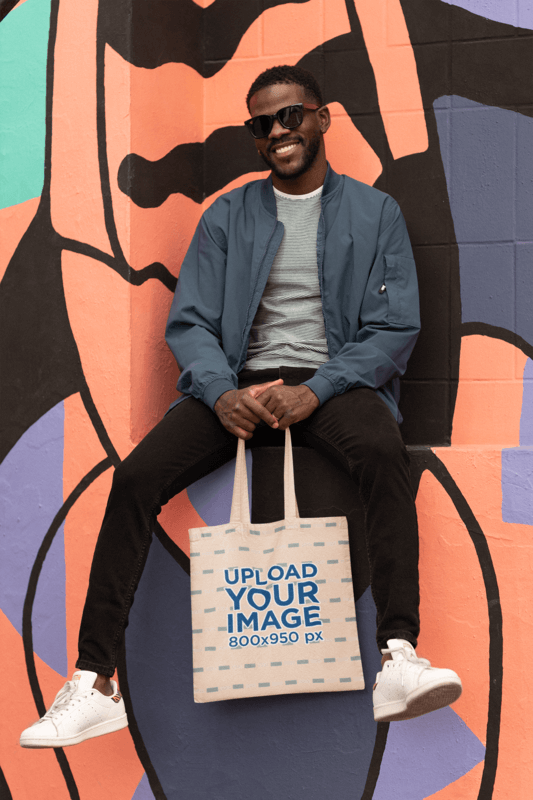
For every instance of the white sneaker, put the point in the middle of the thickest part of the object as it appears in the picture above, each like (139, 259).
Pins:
(79, 712)
(409, 686)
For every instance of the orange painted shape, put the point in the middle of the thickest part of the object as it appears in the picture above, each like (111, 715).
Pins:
(240, 181)
(154, 371)
(82, 449)
(292, 36)
(14, 222)
(393, 61)
(161, 234)
(82, 526)
(348, 151)
(466, 788)
(177, 517)
(76, 194)
(453, 606)
(30, 774)
(98, 305)
(477, 472)
(489, 398)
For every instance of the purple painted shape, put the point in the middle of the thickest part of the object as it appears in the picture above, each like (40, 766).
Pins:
(526, 418)
(426, 754)
(517, 485)
(488, 284)
(487, 155)
(143, 791)
(31, 491)
(512, 12)
(211, 496)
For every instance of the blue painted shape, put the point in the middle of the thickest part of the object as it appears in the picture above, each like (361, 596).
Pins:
(143, 791)
(512, 12)
(524, 178)
(487, 155)
(524, 290)
(488, 284)
(297, 746)
(526, 417)
(31, 492)
(211, 496)
(426, 754)
(23, 53)
(517, 485)
(482, 176)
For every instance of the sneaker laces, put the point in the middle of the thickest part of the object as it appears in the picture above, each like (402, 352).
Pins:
(66, 697)
(409, 657)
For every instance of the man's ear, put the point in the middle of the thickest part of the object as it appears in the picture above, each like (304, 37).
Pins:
(325, 118)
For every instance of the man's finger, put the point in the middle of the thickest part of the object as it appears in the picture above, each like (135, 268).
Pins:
(259, 410)
(259, 388)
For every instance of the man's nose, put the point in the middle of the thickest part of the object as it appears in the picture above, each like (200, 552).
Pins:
(277, 130)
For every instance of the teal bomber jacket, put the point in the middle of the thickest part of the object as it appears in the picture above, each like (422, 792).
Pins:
(367, 278)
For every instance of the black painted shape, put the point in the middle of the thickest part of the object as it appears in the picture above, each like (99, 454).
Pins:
(486, 61)
(139, 30)
(5, 7)
(5, 791)
(101, 135)
(155, 271)
(39, 360)
(196, 170)
(422, 459)
(493, 331)
(377, 757)
(27, 632)
(98, 425)
(140, 747)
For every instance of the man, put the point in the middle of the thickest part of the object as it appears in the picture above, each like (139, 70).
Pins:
(296, 305)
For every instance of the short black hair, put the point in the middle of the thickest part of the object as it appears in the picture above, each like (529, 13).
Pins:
(287, 74)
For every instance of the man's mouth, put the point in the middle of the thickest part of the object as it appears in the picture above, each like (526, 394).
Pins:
(285, 148)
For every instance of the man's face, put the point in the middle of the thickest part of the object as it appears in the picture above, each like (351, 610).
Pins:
(288, 153)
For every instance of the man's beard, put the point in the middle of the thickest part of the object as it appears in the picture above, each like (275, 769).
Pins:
(311, 152)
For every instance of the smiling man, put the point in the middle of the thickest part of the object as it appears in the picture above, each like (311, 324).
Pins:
(297, 304)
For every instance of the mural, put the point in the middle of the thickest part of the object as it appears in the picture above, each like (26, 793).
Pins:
(121, 122)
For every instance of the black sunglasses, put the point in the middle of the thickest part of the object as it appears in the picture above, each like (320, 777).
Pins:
(289, 117)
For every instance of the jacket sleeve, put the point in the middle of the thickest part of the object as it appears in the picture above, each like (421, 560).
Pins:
(389, 320)
(193, 330)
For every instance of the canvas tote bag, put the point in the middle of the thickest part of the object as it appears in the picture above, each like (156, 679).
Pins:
(272, 605)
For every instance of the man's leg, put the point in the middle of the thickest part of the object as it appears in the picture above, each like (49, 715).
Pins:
(185, 445)
(188, 443)
(359, 432)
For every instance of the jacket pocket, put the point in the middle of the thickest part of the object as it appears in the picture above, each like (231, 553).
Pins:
(401, 286)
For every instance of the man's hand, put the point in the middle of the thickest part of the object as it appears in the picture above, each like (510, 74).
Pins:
(289, 404)
(239, 411)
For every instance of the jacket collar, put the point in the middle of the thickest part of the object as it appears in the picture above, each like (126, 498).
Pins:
(331, 182)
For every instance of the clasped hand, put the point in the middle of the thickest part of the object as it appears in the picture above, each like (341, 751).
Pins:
(240, 410)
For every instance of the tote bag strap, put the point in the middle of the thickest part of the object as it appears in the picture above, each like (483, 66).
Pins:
(240, 508)
(291, 507)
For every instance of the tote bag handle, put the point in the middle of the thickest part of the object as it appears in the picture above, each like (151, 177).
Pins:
(240, 509)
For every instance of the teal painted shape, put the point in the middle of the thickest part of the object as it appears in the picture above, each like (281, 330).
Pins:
(23, 51)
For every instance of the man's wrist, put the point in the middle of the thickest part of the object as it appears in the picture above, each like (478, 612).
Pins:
(216, 389)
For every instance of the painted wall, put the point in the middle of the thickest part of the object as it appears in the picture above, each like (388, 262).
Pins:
(120, 122)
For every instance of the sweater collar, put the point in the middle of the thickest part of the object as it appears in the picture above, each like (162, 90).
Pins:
(268, 198)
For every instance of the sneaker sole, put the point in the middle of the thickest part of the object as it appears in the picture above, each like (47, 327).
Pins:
(420, 701)
(97, 730)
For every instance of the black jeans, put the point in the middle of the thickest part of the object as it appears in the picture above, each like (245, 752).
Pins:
(356, 430)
